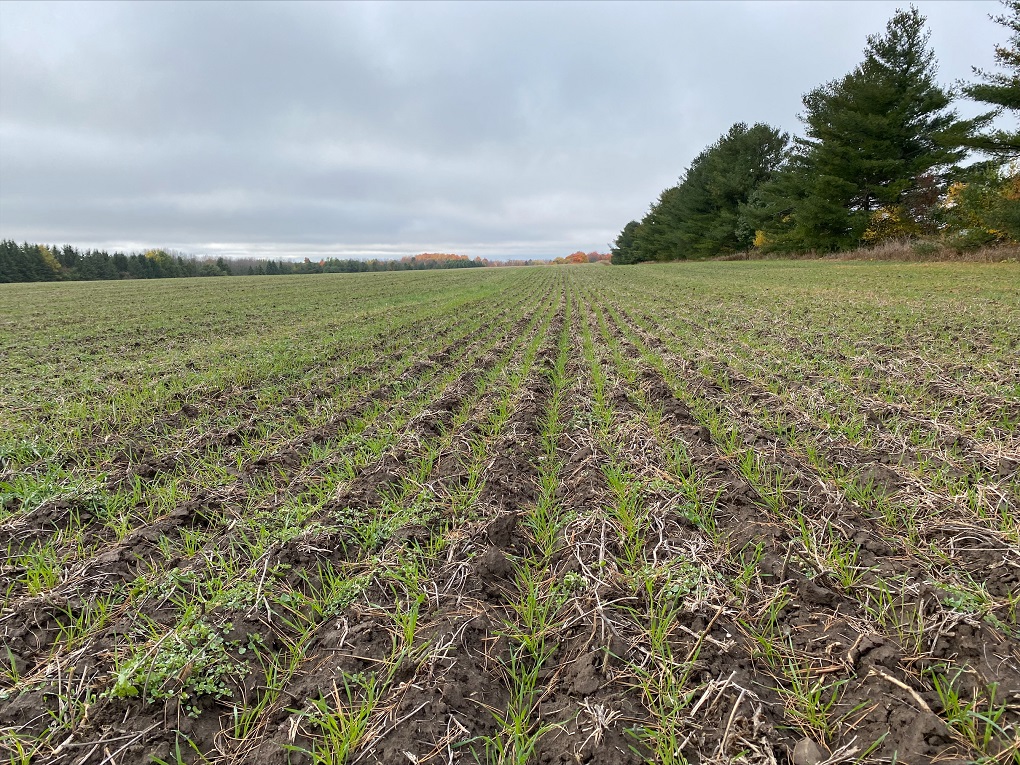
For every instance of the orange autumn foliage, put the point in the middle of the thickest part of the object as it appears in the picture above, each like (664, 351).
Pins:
(435, 256)
(585, 257)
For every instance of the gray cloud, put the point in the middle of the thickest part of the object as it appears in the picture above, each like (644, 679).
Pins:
(489, 129)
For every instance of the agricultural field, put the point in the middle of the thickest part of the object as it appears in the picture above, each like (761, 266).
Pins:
(702, 513)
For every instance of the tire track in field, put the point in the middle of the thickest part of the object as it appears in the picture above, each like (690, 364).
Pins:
(455, 709)
(461, 683)
(589, 705)
(486, 631)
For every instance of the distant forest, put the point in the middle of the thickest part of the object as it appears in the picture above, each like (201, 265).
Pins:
(44, 263)
(880, 161)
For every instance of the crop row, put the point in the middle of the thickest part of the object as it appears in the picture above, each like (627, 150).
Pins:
(566, 515)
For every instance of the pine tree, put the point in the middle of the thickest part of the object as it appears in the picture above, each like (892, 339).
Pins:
(703, 215)
(625, 248)
(656, 238)
(707, 211)
(1001, 90)
(10, 262)
(873, 138)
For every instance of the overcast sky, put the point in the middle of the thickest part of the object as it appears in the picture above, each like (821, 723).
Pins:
(516, 129)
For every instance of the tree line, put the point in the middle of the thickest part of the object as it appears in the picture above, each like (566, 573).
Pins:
(38, 263)
(880, 159)
(41, 263)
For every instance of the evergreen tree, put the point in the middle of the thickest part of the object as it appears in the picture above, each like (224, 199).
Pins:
(625, 248)
(1001, 90)
(10, 262)
(28, 263)
(704, 215)
(656, 238)
(708, 208)
(873, 137)
(67, 255)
